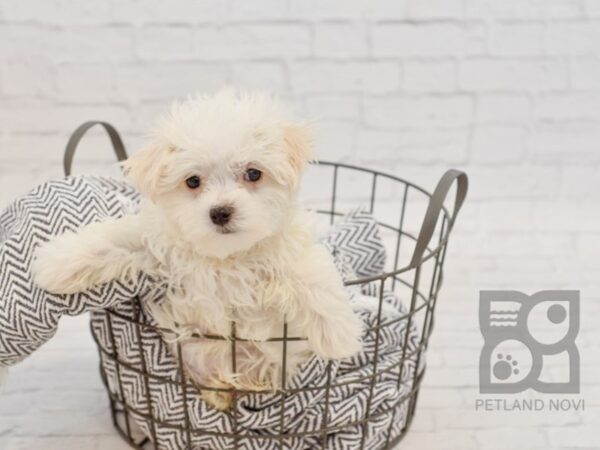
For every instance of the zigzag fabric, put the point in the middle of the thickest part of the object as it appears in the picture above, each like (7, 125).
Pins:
(160, 405)
(28, 315)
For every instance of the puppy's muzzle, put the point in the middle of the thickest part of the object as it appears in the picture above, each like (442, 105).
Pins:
(221, 215)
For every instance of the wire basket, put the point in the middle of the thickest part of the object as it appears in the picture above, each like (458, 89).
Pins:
(415, 226)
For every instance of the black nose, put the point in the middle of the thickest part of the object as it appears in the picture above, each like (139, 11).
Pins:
(220, 215)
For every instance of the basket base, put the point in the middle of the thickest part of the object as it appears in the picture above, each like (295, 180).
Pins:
(146, 444)
(142, 442)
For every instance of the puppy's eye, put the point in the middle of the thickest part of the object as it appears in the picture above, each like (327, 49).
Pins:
(193, 182)
(252, 175)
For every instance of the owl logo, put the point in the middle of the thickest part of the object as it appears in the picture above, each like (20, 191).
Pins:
(525, 335)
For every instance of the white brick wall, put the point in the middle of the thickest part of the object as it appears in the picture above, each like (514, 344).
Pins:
(508, 90)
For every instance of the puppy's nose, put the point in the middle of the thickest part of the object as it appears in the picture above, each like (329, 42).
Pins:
(220, 215)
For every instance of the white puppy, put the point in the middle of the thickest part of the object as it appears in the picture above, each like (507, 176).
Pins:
(222, 226)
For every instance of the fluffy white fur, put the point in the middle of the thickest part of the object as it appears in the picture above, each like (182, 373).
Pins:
(260, 269)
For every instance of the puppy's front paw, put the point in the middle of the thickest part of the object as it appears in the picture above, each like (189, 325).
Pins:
(335, 338)
(218, 399)
(59, 270)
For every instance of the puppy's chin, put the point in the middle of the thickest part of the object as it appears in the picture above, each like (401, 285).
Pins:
(223, 243)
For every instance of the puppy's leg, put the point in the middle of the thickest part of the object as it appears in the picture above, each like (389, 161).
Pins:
(258, 366)
(205, 363)
(95, 254)
(332, 328)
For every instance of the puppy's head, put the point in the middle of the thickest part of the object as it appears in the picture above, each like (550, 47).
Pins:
(223, 169)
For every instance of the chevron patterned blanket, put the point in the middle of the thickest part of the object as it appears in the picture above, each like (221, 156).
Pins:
(29, 317)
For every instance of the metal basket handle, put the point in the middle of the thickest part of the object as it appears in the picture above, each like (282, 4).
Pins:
(117, 143)
(436, 203)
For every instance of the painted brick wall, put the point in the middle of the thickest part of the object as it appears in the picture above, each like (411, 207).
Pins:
(508, 90)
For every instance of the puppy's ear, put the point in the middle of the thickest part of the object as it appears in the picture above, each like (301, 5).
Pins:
(145, 169)
(298, 139)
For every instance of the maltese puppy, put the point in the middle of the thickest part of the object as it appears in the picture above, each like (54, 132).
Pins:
(221, 225)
